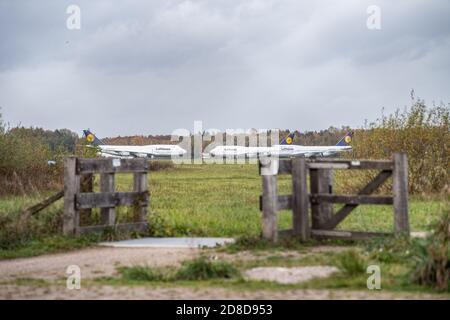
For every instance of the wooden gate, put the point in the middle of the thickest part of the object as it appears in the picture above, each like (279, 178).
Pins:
(79, 197)
(321, 197)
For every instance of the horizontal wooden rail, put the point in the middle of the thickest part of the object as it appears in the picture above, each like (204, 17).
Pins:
(110, 199)
(89, 165)
(337, 234)
(125, 227)
(350, 164)
(350, 199)
(346, 235)
(313, 211)
(285, 166)
(284, 202)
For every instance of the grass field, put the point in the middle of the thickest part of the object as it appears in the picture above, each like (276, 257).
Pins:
(223, 200)
(201, 200)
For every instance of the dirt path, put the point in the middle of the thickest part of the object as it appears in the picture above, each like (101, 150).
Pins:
(103, 261)
(148, 293)
(94, 262)
(16, 275)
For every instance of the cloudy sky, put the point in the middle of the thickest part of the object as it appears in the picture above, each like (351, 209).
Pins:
(146, 67)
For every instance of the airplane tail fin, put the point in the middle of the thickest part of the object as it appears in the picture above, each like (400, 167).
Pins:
(346, 140)
(91, 138)
(289, 139)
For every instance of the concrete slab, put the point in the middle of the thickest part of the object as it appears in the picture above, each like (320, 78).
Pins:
(289, 275)
(169, 243)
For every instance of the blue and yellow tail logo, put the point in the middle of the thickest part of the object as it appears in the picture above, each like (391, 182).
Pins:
(91, 138)
(346, 140)
(289, 139)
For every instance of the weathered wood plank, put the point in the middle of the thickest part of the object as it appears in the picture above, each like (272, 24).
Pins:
(350, 164)
(346, 235)
(350, 199)
(125, 227)
(300, 201)
(140, 184)
(45, 203)
(71, 188)
(86, 185)
(109, 199)
(321, 181)
(285, 167)
(41, 205)
(284, 202)
(107, 185)
(269, 206)
(268, 166)
(287, 233)
(110, 165)
(368, 189)
(400, 189)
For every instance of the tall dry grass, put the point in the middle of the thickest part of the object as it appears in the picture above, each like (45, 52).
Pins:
(420, 131)
(24, 164)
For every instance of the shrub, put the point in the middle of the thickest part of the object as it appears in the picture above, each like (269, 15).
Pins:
(423, 133)
(15, 231)
(433, 256)
(200, 268)
(24, 156)
(352, 263)
(203, 268)
(142, 273)
(391, 249)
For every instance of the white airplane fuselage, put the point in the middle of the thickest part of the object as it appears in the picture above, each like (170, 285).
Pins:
(282, 151)
(148, 151)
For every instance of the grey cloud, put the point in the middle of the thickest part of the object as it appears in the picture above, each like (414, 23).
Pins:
(154, 66)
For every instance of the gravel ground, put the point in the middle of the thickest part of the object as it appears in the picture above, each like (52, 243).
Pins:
(122, 293)
(94, 262)
(102, 261)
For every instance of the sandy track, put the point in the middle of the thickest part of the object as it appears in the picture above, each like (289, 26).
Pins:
(94, 262)
(102, 261)
(149, 293)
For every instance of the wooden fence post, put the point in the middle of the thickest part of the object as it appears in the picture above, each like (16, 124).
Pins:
(86, 186)
(71, 188)
(300, 199)
(321, 181)
(269, 201)
(400, 189)
(141, 185)
(108, 215)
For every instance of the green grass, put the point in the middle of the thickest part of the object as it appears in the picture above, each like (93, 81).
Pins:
(223, 200)
(48, 244)
(198, 200)
(352, 263)
(200, 268)
(396, 276)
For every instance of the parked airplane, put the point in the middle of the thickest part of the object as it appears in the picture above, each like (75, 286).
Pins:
(148, 151)
(285, 149)
(343, 145)
(242, 151)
